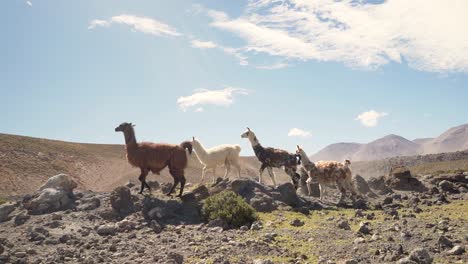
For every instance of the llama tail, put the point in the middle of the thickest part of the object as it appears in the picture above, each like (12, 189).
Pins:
(187, 145)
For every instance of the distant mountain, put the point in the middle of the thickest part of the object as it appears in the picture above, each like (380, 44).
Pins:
(422, 141)
(454, 139)
(338, 151)
(388, 146)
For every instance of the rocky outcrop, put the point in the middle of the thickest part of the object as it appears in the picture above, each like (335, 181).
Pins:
(400, 178)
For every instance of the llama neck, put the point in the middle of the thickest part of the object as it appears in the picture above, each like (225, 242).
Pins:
(254, 141)
(305, 160)
(200, 151)
(130, 139)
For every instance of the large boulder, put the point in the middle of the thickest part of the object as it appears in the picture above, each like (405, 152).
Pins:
(49, 200)
(378, 184)
(263, 203)
(288, 194)
(121, 201)
(60, 182)
(5, 211)
(362, 186)
(400, 178)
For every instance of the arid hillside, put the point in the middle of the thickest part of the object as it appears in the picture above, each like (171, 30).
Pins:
(26, 162)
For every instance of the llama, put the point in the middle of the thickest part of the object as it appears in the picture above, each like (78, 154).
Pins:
(222, 154)
(327, 173)
(155, 157)
(274, 158)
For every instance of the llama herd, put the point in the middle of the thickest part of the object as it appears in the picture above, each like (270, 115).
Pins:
(155, 157)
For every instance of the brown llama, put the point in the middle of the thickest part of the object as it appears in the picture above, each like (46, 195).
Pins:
(155, 157)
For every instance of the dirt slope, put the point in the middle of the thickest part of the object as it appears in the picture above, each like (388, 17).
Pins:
(26, 162)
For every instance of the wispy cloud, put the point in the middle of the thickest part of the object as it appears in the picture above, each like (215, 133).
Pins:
(29, 3)
(143, 24)
(297, 132)
(237, 53)
(199, 44)
(275, 66)
(357, 33)
(200, 97)
(370, 118)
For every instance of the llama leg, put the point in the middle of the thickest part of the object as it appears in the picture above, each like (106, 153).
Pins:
(309, 186)
(176, 181)
(228, 168)
(238, 170)
(203, 173)
(142, 178)
(342, 189)
(182, 184)
(322, 190)
(272, 175)
(214, 174)
(262, 168)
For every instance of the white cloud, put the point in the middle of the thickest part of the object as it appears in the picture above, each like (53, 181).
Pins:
(276, 66)
(223, 97)
(428, 35)
(370, 118)
(199, 109)
(142, 24)
(297, 132)
(29, 3)
(203, 44)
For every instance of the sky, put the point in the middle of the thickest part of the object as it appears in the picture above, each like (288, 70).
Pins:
(307, 72)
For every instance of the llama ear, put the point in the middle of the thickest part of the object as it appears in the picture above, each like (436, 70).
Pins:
(193, 138)
(248, 128)
(298, 147)
(132, 125)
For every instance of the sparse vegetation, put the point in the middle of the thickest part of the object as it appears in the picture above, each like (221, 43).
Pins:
(229, 207)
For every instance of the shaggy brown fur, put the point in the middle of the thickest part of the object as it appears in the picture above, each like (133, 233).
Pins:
(155, 157)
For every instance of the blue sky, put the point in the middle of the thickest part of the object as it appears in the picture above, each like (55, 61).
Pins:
(74, 70)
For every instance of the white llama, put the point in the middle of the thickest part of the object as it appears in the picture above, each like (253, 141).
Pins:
(226, 155)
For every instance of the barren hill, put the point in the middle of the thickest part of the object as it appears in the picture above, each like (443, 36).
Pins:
(26, 162)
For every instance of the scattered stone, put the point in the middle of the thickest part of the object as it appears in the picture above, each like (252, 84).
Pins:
(107, 230)
(21, 219)
(175, 258)
(296, 222)
(447, 186)
(257, 225)
(157, 228)
(262, 261)
(420, 256)
(244, 228)
(359, 240)
(121, 201)
(444, 243)
(5, 211)
(364, 228)
(387, 200)
(60, 182)
(49, 200)
(456, 250)
(263, 203)
(343, 224)
(350, 261)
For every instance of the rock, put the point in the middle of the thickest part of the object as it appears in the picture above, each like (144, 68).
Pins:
(20, 254)
(263, 203)
(256, 225)
(5, 211)
(406, 260)
(456, 250)
(364, 228)
(296, 222)
(360, 204)
(21, 219)
(218, 222)
(400, 178)
(420, 256)
(165, 187)
(129, 184)
(262, 261)
(50, 200)
(126, 225)
(361, 185)
(157, 228)
(60, 182)
(378, 184)
(107, 230)
(444, 243)
(64, 238)
(343, 224)
(350, 261)
(387, 200)
(175, 258)
(244, 228)
(87, 204)
(153, 184)
(447, 186)
(200, 193)
(359, 240)
(216, 229)
(288, 194)
(121, 201)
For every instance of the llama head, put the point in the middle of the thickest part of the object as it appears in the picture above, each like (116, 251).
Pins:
(300, 152)
(347, 162)
(195, 142)
(248, 134)
(124, 127)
